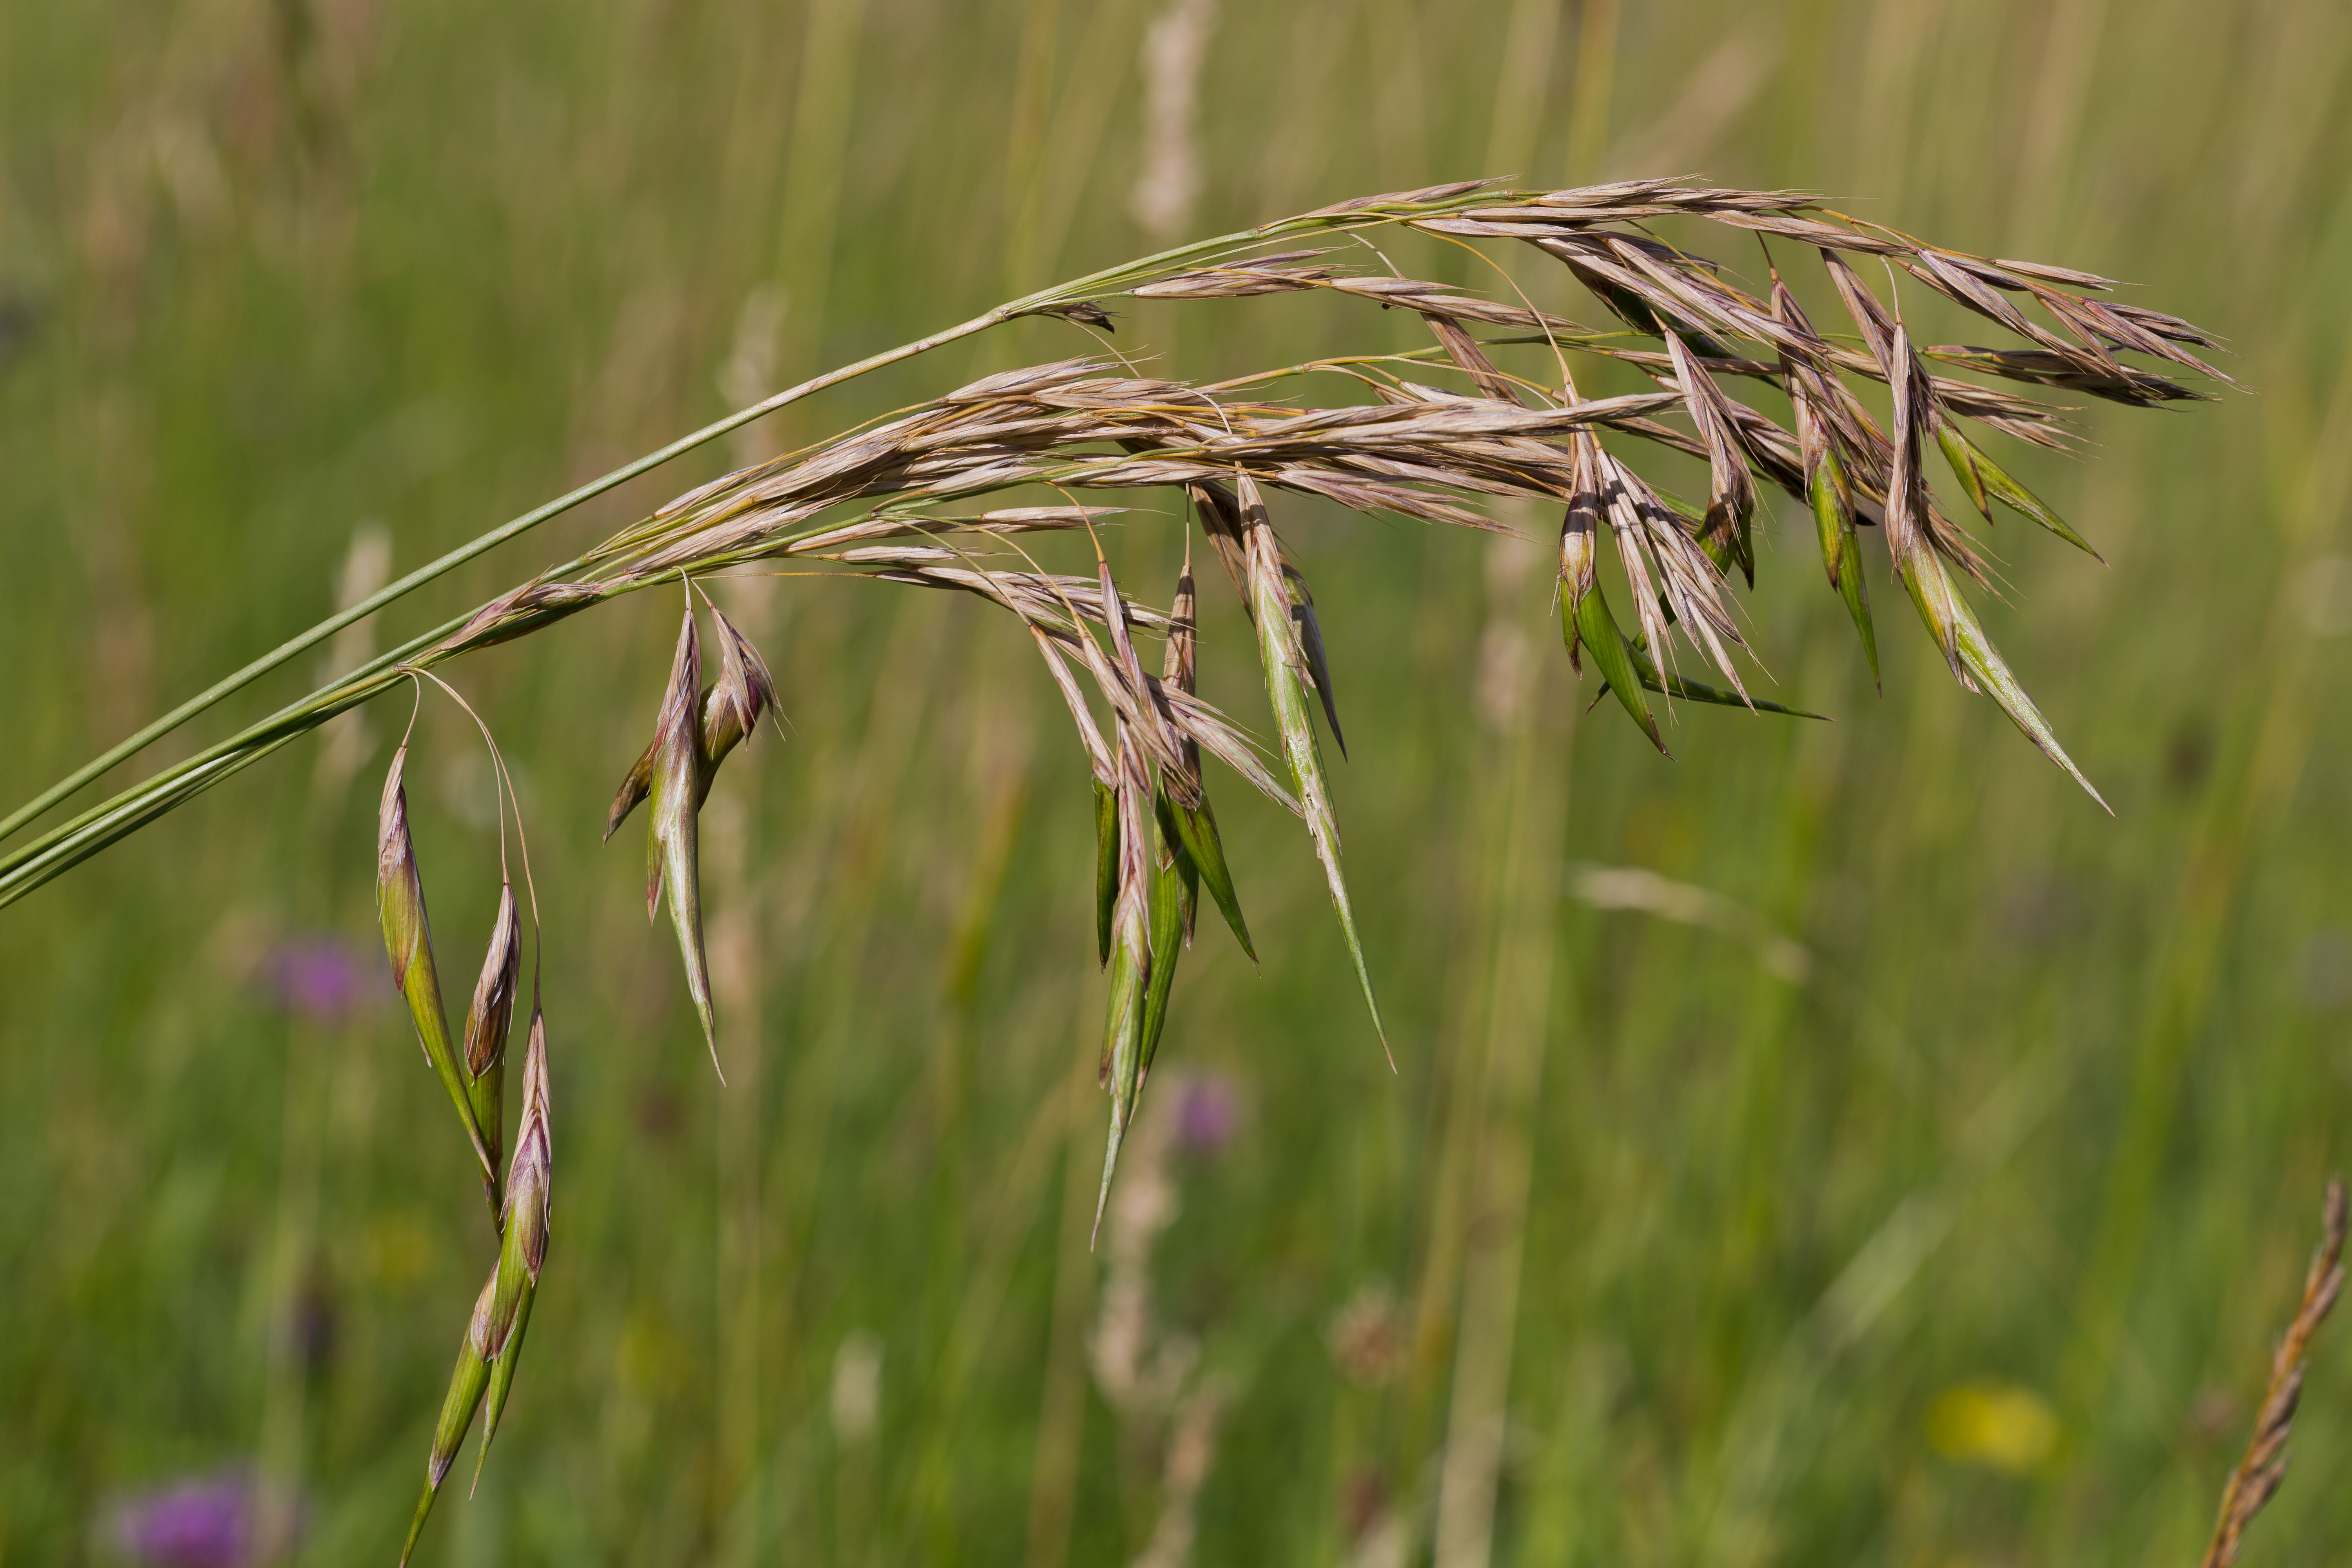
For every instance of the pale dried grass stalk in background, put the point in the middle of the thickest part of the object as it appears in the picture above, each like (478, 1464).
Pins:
(1173, 46)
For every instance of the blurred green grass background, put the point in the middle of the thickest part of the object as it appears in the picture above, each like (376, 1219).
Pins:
(1960, 1242)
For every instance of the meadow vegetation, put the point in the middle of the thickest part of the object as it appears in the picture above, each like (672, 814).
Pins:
(1842, 1141)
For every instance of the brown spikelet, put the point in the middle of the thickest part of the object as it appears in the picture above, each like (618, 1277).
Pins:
(1731, 502)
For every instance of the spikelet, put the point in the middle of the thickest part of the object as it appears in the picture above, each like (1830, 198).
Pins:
(1827, 493)
(471, 1375)
(1585, 622)
(487, 1023)
(408, 940)
(493, 1339)
(695, 730)
(1191, 824)
(731, 709)
(530, 1186)
(673, 842)
(1286, 681)
(1130, 956)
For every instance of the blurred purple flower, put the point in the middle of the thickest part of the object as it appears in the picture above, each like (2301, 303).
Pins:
(209, 1522)
(318, 977)
(1208, 1112)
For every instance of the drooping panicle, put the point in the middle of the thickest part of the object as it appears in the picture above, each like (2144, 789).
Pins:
(408, 940)
(1870, 317)
(522, 1247)
(1139, 699)
(1907, 531)
(1106, 837)
(1106, 785)
(1180, 663)
(897, 499)
(1674, 581)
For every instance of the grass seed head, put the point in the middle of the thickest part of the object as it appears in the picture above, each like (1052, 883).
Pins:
(1440, 456)
(1988, 481)
(1841, 549)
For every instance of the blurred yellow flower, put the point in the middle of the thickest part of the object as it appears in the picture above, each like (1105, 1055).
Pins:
(1998, 1425)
